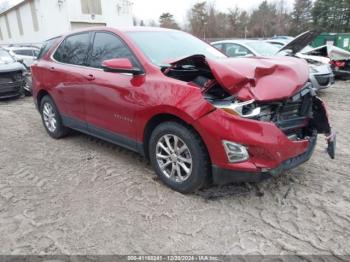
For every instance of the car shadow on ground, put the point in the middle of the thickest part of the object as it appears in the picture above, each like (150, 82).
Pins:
(210, 193)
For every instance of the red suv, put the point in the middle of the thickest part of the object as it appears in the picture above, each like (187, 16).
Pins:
(196, 114)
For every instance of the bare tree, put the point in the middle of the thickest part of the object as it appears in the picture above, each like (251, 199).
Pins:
(198, 19)
(263, 20)
(152, 23)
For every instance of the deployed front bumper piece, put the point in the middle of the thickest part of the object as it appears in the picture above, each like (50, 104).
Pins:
(281, 138)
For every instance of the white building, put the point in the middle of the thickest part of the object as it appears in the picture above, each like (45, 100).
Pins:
(33, 21)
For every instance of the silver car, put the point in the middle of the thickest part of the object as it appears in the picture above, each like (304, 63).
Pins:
(321, 75)
(26, 54)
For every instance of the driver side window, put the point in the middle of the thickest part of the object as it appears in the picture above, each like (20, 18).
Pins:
(108, 46)
(235, 50)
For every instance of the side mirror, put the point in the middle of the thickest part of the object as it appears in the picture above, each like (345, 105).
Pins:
(20, 60)
(120, 65)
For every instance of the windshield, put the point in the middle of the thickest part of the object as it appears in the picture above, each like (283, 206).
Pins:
(262, 48)
(164, 46)
(5, 57)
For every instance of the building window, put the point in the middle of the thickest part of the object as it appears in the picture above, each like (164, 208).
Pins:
(91, 7)
(124, 7)
(19, 22)
(1, 36)
(8, 26)
(34, 16)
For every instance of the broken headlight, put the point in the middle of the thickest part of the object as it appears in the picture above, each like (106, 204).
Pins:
(245, 109)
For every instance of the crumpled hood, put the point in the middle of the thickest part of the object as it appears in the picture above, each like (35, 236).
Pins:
(262, 79)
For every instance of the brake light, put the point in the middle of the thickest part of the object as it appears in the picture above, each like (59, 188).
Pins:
(338, 63)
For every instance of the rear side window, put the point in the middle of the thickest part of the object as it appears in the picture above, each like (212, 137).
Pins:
(74, 49)
(25, 52)
(234, 50)
(107, 46)
(219, 46)
(45, 47)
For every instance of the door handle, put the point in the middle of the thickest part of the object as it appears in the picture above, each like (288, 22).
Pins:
(90, 77)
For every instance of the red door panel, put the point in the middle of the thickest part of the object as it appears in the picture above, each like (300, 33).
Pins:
(111, 102)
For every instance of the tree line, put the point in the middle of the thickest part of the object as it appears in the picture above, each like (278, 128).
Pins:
(268, 19)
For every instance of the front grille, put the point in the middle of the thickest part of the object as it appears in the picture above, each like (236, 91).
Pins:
(5, 80)
(11, 76)
(323, 80)
(11, 82)
(11, 87)
(292, 115)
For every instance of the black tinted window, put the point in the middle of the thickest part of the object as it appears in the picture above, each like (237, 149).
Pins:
(107, 46)
(45, 47)
(74, 49)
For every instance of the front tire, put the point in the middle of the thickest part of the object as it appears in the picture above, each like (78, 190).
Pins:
(51, 118)
(179, 157)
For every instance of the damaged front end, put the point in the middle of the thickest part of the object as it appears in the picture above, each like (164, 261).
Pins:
(264, 90)
(300, 117)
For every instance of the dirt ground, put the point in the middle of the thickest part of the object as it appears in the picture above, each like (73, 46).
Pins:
(80, 195)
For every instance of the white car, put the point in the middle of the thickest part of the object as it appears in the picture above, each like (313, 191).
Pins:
(25, 54)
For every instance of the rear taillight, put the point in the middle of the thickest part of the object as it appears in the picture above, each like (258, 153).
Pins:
(338, 63)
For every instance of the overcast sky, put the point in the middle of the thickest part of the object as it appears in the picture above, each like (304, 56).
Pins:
(151, 9)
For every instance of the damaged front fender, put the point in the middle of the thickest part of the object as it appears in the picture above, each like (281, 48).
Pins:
(320, 122)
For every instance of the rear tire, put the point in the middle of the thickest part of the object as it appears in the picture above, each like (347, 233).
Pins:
(27, 93)
(179, 157)
(51, 118)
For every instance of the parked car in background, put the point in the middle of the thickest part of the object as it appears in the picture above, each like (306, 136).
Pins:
(25, 54)
(196, 114)
(282, 38)
(246, 47)
(12, 76)
(278, 42)
(338, 58)
(321, 75)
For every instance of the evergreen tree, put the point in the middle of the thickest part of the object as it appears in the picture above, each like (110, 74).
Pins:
(167, 20)
(301, 16)
(332, 15)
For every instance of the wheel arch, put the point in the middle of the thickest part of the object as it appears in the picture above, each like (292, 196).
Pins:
(40, 96)
(161, 118)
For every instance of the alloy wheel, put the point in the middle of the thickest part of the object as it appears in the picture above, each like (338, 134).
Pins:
(49, 117)
(174, 158)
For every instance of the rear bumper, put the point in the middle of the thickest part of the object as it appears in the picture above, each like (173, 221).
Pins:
(341, 73)
(223, 176)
